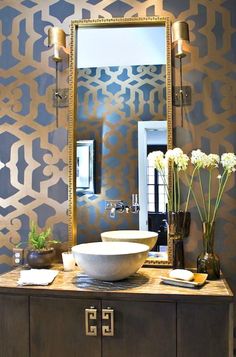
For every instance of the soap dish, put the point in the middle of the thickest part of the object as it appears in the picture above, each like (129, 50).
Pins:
(198, 280)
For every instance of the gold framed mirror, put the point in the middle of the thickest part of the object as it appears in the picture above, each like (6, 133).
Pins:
(106, 103)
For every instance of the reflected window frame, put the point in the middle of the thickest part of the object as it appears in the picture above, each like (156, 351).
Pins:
(88, 147)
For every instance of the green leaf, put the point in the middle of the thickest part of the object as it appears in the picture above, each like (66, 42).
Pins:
(39, 240)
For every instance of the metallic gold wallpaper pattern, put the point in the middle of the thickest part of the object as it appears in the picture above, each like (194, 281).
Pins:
(33, 152)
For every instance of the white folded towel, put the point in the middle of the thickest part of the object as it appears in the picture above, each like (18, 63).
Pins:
(37, 277)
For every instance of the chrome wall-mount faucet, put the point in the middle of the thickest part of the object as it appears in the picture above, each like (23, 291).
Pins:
(121, 206)
(134, 208)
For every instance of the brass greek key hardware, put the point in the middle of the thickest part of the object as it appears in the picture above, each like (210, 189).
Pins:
(108, 314)
(90, 315)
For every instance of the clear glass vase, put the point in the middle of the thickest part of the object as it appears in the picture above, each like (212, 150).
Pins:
(178, 253)
(178, 228)
(179, 223)
(208, 262)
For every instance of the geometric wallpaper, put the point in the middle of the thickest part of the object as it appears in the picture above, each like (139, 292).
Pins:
(111, 101)
(33, 151)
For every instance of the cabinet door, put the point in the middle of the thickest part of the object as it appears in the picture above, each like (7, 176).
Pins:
(141, 329)
(57, 327)
(203, 330)
(14, 326)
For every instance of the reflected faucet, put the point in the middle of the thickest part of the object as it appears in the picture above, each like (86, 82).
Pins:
(116, 206)
(113, 212)
(120, 206)
(134, 208)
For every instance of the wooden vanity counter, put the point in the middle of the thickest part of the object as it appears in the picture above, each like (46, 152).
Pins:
(144, 285)
(79, 316)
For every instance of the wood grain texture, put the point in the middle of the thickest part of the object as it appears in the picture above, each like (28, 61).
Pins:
(141, 328)
(14, 322)
(58, 328)
(203, 330)
(145, 316)
(144, 285)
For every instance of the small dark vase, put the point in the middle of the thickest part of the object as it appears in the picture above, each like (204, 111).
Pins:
(40, 258)
(208, 262)
(178, 228)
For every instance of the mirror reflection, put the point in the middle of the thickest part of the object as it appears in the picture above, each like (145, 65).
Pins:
(123, 46)
(85, 163)
(152, 136)
(112, 100)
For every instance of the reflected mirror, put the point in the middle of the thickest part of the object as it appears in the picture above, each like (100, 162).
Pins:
(85, 163)
(120, 98)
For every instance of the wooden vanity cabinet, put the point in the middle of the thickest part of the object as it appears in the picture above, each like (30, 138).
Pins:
(14, 326)
(150, 319)
(57, 328)
(205, 329)
(138, 327)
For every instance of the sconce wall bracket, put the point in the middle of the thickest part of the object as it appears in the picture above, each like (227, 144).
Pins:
(182, 98)
(60, 97)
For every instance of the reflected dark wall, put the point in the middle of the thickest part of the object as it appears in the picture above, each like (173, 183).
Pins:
(111, 101)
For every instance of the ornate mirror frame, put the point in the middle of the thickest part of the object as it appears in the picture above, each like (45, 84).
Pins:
(106, 23)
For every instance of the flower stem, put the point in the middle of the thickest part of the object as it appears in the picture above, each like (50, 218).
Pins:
(195, 199)
(189, 190)
(175, 204)
(169, 198)
(202, 194)
(220, 193)
(178, 191)
(219, 190)
(209, 196)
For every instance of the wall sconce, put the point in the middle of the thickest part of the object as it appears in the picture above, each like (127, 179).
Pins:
(180, 35)
(57, 39)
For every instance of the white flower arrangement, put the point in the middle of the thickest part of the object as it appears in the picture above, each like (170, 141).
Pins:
(226, 164)
(178, 162)
(228, 161)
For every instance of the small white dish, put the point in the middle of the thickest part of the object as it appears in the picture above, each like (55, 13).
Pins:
(198, 281)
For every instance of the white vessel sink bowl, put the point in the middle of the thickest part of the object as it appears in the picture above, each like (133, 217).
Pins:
(134, 236)
(110, 261)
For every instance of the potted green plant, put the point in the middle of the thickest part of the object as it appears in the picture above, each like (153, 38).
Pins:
(40, 253)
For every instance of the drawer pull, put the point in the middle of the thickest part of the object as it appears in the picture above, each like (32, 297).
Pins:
(90, 316)
(108, 315)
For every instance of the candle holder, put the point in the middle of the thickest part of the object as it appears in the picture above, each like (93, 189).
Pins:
(68, 261)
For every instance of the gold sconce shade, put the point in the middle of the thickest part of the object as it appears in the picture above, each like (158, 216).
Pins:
(180, 33)
(56, 38)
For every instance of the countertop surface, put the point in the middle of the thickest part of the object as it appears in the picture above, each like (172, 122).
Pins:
(145, 284)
